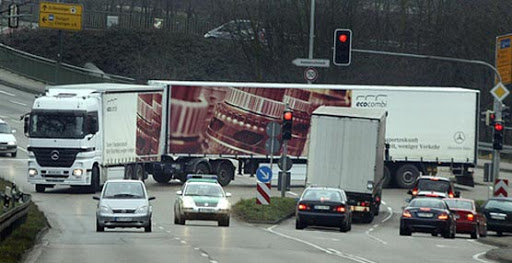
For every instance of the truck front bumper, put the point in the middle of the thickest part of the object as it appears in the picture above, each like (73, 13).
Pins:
(58, 175)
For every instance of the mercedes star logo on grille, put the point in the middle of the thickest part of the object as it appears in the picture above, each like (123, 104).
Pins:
(55, 155)
(206, 204)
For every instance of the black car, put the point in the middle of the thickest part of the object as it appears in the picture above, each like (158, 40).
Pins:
(498, 212)
(322, 206)
(433, 186)
(428, 215)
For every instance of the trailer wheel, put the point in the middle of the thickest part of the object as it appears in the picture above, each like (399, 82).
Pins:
(386, 180)
(406, 176)
(201, 168)
(128, 171)
(225, 174)
(161, 177)
(139, 172)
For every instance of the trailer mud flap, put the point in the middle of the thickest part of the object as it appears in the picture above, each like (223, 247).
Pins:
(467, 180)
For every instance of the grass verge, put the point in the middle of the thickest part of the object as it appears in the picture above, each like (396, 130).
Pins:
(279, 209)
(24, 237)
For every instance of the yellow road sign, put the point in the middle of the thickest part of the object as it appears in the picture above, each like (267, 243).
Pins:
(60, 21)
(60, 16)
(504, 58)
(60, 8)
(500, 92)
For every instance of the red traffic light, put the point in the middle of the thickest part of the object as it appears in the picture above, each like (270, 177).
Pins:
(498, 126)
(343, 38)
(288, 116)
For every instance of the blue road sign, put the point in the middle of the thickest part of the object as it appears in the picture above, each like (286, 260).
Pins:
(264, 174)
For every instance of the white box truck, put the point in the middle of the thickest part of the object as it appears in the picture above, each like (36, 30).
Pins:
(346, 150)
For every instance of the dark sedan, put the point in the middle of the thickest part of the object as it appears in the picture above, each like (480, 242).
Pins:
(498, 211)
(428, 215)
(321, 206)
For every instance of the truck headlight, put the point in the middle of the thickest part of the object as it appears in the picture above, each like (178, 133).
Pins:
(142, 210)
(78, 172)
(32, 172)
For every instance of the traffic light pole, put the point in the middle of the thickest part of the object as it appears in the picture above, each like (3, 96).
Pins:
(311, 31)
(498, 105)
(284, 174)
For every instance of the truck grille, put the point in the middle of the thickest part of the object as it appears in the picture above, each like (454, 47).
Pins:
(55, 157)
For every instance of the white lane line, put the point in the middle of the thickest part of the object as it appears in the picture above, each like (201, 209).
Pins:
(7, 93)
(477, 258)
(19, 103)
(390, 211)
(328, 251)
(292, 193)
(204, 255)
(23, 149)
(161, 228)
(368, 233)
(384, 203)
(183, 242)
(481, 244)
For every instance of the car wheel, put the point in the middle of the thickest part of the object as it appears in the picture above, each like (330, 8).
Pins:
(434, 234)
(484, 232)
(181, 220)
(350, 224)
(474, 235)
(299, 224)
(40, 188)
(447, 234)
(149, 226)
(345, 227)
(99, 227)
(404, 232)
(499, 233)
(176, 220)
(223, 221)
(13, 155)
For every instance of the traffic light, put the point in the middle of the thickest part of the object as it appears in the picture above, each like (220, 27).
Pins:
(287, 125)
(489, 117)
(497, 143)
(342, 47)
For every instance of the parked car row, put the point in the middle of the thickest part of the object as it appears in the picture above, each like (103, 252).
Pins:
(125, 203)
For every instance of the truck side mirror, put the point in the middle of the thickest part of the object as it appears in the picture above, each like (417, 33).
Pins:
(386, 152)
(26, 123)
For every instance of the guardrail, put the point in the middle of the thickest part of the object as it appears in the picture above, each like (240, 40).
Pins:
(14, 217)
(50, 71)
(487, 146)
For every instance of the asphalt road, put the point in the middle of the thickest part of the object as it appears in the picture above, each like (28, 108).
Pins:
(72, 236)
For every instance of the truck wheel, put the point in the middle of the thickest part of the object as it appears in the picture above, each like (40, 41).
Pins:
(139, 172)
(225, 174)
(95, 180)
(386, 180)
(40, 188)
(406, 176)
(162, 177)
(250, 167)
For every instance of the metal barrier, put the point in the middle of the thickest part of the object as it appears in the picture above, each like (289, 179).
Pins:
(50, 71)
(14, 217)
(487, 147)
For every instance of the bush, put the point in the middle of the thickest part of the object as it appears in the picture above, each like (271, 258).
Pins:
(279, 209)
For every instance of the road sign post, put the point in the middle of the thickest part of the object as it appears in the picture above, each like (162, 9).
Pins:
(263, 194)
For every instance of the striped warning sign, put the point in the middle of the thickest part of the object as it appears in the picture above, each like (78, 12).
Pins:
(263, 193)
(501, 188)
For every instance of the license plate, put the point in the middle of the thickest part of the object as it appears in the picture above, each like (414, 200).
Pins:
(206, 210)
(425, 214)
(124, 219)
(3, 148)
(322, 207)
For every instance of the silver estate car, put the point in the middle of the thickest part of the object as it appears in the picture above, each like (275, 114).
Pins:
(8, 142)
(123, 203)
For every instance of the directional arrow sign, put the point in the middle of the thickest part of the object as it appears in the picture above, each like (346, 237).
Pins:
(306, 62)
(264, 174)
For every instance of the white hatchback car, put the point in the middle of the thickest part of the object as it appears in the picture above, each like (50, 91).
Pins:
(123, 203)
(8, 143)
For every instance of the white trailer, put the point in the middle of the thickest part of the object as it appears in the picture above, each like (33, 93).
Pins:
(346, 150)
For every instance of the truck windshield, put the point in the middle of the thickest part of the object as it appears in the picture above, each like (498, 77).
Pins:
(65, 125)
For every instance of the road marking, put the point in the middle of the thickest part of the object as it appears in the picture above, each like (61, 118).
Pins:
(368, 233)
(161, 228)
(328, 251)
(481, 244)
(390, 211)
(477, 257)
(19, 103)
(204, 255)
(292, 193)
(384, 203)
(7, 93)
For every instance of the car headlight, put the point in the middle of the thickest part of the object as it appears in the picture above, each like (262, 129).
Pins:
(142, 210)
(223, 204)
(106, 209)
(11, 143)
(188, 203)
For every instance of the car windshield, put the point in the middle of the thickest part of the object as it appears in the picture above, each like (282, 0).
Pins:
(4, 128)
(427, 202)
(433, 185)
(204, 190)
(322, 195)
(123, 190)
(499, 204)
(461, 204)
(65, 125)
